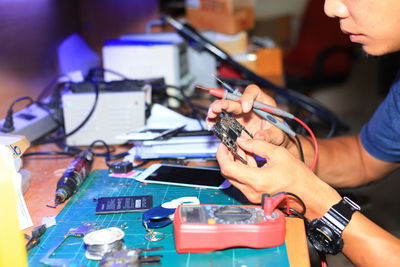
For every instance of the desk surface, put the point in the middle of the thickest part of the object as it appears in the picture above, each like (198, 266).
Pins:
(45, 172)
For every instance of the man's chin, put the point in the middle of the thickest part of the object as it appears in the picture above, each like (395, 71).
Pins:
(376, 51)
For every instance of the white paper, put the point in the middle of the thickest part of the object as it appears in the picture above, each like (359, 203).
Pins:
(161, 114)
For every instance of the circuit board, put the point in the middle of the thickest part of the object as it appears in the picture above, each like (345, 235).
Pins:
(228, 129)
(81, 209)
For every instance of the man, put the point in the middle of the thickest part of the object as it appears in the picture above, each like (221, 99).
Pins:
(343, 161)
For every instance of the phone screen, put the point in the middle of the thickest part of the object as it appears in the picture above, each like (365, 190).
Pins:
(183, 175)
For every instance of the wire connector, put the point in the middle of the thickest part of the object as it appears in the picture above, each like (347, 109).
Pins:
(8, 125)
(269, 203)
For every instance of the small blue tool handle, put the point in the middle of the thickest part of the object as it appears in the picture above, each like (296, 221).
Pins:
(157, 217)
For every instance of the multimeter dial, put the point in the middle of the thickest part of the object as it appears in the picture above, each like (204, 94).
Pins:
(232, 214)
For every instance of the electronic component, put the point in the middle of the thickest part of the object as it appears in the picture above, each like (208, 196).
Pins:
(121, 167)
(73, 177)
(228, 130)
(206, 228)
(108, 205)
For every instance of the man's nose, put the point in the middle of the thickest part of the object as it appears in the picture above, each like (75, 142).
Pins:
(335, 9)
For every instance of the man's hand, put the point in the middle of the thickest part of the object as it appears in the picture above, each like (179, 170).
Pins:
(260, 128)
(282, 173)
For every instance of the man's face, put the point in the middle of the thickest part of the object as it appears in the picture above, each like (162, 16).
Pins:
(375, 24)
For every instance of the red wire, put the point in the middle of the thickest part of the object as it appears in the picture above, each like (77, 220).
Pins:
(314, 139)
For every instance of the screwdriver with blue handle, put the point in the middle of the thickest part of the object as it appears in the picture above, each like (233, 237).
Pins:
(263, 110)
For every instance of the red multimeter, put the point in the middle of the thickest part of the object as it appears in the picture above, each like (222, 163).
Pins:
(206, 228)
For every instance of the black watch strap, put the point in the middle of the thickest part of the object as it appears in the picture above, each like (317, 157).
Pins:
(339, 215)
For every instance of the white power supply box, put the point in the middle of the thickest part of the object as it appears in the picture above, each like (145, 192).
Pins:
(201, 65)
(116, 112)
(146, 60)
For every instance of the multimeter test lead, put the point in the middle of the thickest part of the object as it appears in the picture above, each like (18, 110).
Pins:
(263, 110)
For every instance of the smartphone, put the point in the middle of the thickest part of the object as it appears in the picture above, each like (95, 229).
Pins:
(152, 132)
(169, 174)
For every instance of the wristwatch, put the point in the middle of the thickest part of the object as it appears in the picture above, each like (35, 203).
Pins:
(325, 234)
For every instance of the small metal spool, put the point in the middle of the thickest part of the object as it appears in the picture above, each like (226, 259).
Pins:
(103, 241)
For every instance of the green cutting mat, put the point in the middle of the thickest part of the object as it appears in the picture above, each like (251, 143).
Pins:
(81, 209)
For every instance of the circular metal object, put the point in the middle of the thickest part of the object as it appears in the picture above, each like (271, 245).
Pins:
(154, 236)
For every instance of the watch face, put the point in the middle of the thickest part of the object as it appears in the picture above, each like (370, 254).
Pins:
(323, 238)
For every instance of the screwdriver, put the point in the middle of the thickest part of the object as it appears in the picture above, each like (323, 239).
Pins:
(263, 110)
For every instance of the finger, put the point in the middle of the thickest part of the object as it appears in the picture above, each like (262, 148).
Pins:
(224, 156)
(258, 147)
(223, 105)
(271, 134)
(249, 157)
(251, 160)
(249, 95)
(253, 92)
(245, 156)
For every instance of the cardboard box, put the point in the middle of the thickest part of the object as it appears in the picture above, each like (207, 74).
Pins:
(224, 16)
(266, 62)
(233, 44)
(278, 29)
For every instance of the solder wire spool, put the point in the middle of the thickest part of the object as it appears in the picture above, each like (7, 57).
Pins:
(102, 241)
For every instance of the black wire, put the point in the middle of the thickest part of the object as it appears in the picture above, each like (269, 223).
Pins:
(299, 200)
(293, 213)
(96, 69)
(187, 100)
(106, 155)
(49, 86)
(58, 138)
(118, 156)
(8, 125)
(300, 148)
(51, 114)
(19, 99)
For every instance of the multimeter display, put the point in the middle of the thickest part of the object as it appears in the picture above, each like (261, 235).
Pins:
(206, 228)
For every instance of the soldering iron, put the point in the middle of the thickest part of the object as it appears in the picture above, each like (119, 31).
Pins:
(74, 175)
